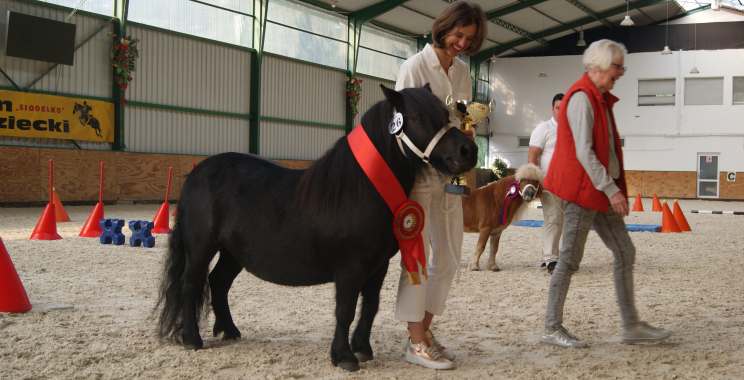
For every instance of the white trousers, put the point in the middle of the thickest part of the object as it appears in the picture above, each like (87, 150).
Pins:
(443, 224)
(553, 210)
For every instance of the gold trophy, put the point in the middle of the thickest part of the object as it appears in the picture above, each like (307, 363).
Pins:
(469, 113)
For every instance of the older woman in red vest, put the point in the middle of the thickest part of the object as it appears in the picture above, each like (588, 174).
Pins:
(587, 175)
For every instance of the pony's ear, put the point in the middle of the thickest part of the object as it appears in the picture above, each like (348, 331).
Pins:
(427, 87)
(394, 97)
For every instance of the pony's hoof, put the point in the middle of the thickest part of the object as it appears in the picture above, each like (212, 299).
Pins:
(349, 366)
(363, 357)
(474, 269)
(497, 269)
(192, 347)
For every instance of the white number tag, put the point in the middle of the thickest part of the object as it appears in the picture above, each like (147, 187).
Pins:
(396, 123)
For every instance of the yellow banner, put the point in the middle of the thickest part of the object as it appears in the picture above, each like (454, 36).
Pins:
(23, 114)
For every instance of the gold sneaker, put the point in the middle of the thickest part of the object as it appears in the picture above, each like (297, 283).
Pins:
(432, 341)
(425, 355)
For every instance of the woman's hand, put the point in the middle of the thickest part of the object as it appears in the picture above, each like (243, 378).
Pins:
(470, 133)
(619, 204)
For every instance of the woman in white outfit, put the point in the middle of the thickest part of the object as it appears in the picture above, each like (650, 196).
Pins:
(461, 28)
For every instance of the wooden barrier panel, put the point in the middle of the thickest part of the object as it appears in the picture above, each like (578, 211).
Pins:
(731, 190)
(77, 174)
(19, 175)
(24, 176)
(144, 176)
(634, 182)
(294, 164)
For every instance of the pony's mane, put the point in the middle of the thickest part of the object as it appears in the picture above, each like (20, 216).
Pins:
(337, 175)
(529, 171)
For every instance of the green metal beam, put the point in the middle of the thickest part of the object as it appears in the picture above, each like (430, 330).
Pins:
(517, 30)
(485, 54)
(512, 8)
(590, 12)
(366, 14)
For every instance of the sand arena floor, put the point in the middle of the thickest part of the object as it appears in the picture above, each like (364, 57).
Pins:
(690, 283)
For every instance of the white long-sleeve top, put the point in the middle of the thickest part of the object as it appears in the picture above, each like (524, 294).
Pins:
(424, 67)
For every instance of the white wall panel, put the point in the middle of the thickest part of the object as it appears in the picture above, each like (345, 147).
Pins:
(89, 76)
(662, 138)
(154, 130)
(296, 142)
(371, 94)
(183, 72)
(296, 91)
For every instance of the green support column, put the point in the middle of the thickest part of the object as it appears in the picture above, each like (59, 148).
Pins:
(261, 8)
(121, 10)
(355, 31)
(356, 20)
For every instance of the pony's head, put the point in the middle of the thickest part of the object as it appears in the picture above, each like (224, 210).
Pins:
(425, 126)
(529, 177)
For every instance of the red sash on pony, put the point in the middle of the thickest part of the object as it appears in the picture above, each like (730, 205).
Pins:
(409, 216)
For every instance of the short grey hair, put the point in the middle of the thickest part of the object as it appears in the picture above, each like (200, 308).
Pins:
(599, 55)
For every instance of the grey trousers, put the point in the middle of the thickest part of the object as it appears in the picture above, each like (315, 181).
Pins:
(611, 229)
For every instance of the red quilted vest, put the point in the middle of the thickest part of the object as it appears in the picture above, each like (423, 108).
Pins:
(567, 178)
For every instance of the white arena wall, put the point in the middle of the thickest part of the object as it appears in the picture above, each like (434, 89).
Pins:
(657, 138)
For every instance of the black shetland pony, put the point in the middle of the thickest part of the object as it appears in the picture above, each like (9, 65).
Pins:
(300, 227)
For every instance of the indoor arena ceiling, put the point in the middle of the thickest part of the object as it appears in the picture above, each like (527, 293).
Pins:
(519, 25)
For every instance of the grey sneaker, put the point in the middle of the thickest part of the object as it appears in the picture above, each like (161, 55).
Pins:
(561, 338)
(644, 333)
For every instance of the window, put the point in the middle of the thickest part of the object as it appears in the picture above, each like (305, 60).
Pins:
(229, 24)
(483, 75)
(104, 7)
(524, 142)
(703, 91)
(300, 31)
(738, 90)
(381, 53)
(622, 142)
(656, 92)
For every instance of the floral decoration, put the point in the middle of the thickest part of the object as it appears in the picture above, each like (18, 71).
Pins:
(354, 92)
(123, 56)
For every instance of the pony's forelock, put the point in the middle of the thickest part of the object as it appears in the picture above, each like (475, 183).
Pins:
(529, 172)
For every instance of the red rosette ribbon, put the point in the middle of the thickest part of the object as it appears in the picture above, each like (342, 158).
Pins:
(407, 225)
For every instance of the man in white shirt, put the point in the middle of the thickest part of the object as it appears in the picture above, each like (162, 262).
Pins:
(542, 146)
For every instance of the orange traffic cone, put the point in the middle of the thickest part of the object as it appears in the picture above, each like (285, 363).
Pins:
(62, 216)
(162, 220)
(92, 228)
(46, 228)
(679, 216)
(668, 223)
(656, 205)
(13, 298)
(638, 205)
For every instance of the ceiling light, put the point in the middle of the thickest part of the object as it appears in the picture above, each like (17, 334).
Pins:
(581, 41)
(666, 51)
(627, 21)
(542, 75)
(333, 3)
(694, 70)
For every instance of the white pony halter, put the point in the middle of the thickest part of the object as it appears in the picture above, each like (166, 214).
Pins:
(396, 128)
(521, 192)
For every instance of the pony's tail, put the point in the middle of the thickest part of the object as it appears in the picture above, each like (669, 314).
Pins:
(171, 301)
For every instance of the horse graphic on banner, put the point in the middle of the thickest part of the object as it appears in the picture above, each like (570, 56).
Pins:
(86, 118)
